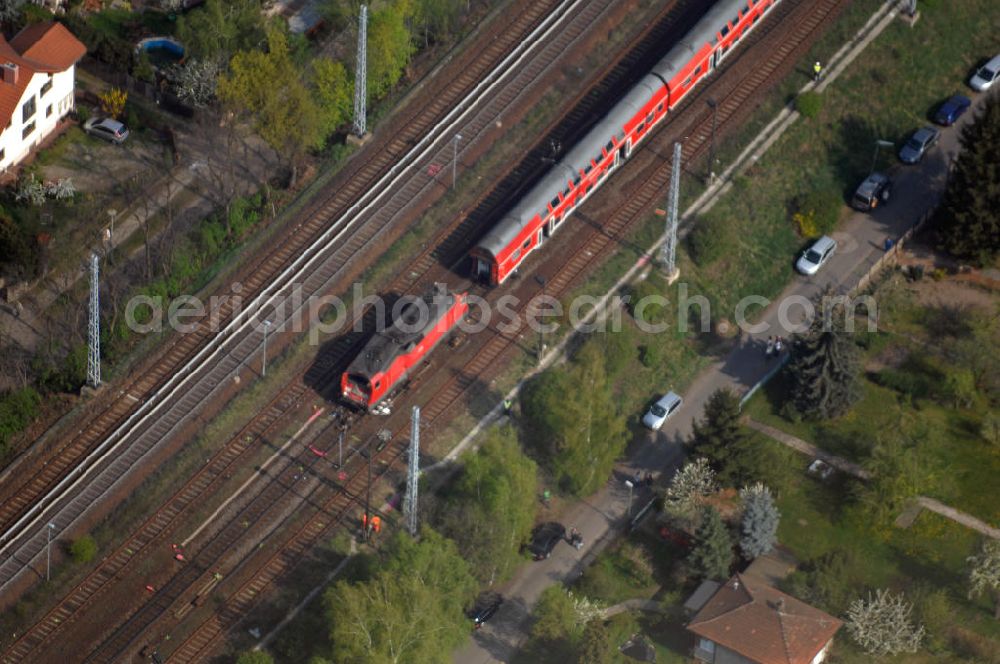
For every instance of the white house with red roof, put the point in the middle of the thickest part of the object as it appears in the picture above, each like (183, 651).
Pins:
(37, 78)
(746, 621)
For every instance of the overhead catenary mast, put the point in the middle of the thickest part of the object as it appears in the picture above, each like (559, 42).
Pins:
(669, 252)
(94, 326)
(413, 475)
(361, 74)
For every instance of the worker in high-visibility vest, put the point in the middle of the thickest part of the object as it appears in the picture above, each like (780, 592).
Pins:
(376, 523)
(817, 70)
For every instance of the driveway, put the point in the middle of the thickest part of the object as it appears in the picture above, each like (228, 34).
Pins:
(861, 239)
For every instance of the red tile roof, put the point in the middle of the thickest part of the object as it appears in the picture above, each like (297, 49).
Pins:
(764, 624)
(39, 48)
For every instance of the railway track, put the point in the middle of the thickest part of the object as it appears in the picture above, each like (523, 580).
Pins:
(197, 365)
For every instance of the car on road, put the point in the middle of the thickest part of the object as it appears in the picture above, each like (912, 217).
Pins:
(813, 258)
(918, 144)
(486, 606)
(106, 128)
(875, 190)
(660, 410)
(951, 110)
(544, 539)
(986, 75)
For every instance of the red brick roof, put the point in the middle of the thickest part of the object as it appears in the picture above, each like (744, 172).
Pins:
(39, 48)
(763, 624)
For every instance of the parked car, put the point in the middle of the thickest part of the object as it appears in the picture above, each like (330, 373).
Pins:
(544, 539)
(875, 190)
(951, 110)
(661, 409)
(106, 128)
(918, 144)
(813, 258)
(486, 606)
(986, 75)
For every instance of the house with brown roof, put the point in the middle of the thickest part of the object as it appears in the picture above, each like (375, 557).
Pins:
(746, 621)
(37, 78)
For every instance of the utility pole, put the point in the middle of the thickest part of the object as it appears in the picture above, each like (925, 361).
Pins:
(454, 159)
(711, 142)
(669, 253)
(94, 326)
(413, 475)
(878, 144)
(361, 75)
(629, 484)
(541, 324)
(263, 363)
(48, 550)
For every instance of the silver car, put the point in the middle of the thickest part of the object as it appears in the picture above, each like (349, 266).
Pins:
(663, 408)
(917, 146)
(813, 258)
(106, 128)
(986, 75)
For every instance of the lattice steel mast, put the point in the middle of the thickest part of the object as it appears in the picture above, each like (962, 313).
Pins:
(94, 326)
(413, 475)
(361, 74)
(669, 253)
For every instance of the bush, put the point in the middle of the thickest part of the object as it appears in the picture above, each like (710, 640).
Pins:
(17, 409)
(619, 348)
(809, 104)
(83, 550)
(651, 355)
(711, 238)
(822, 209)
(644, 293)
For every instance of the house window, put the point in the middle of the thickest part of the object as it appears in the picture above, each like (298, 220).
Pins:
(48, 110)
(46, 87)
(28, 109)
(27, 130)
(706, 645)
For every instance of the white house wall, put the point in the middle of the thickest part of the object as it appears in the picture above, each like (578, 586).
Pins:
(50, 108)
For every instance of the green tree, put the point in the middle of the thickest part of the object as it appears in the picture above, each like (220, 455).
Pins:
(595, 645)
(824, 365)
(572, 419)
(254, 657)
(555, 616)
(712, 553)
(389, 47)
(900, 471)
(969, 218)
(437, 18)
(220, 28)
(719, 430)
(410, 609)
(334, 94)
(491, 508)
(269, 88)
(83, 550)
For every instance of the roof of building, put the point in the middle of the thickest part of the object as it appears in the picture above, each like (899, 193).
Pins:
(763, 624)
(39, 48)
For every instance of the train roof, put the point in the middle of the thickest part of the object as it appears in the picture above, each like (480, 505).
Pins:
(704, 32)
(417, 315)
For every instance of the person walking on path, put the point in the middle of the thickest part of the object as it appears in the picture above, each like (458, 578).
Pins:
(817, 70)
(769, 349)
(779, 345)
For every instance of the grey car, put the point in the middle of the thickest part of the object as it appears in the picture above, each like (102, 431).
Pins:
(917, 146)
(106, 128)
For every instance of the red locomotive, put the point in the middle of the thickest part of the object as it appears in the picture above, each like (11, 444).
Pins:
(389, 357)
(611, 142)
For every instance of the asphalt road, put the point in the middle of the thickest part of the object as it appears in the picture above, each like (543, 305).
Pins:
(600, 518)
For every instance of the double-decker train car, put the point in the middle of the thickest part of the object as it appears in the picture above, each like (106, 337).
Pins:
(389, 357)
(545, 208)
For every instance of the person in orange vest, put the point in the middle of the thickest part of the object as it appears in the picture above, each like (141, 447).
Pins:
(376, 523)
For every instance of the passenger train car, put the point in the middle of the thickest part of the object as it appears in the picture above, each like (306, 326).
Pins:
(545, 208)
(389, 357)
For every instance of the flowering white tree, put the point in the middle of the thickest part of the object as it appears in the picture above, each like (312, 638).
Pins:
(196, 81)
(759, 526)
(881, 624)
(61, 190)
(30, 189)
(691, 483)
(984, 573)
(586, 609)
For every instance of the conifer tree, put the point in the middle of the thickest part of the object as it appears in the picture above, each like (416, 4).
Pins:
(969, 218)
(759, 526)
(824, 365)
(719, 430)
(712, 553)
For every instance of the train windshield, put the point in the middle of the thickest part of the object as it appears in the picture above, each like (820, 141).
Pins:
(357, 388)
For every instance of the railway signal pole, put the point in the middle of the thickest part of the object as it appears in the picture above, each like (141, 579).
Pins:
(454, 160)
(94, 326)
(413, 475)
(48, 550)
(711, 141)
(361, 75)
(263, 363)
(669, 252)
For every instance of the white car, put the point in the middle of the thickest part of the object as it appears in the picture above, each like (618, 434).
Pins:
(986, 75)
(813, 258)
(658, 413)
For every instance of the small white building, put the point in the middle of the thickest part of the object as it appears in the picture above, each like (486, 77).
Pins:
(37, 78)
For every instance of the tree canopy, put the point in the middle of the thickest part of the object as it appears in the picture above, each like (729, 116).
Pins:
(220, 28)
(759, 525)
(969, 217)
(389, 47)
(490, 509)
(409, 610)
(572, 418)
(712, 553)
(719, 430)
(882, 626)
(984, 573)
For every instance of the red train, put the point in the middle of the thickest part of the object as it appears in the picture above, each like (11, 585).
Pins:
(390, 356)
(540, 213)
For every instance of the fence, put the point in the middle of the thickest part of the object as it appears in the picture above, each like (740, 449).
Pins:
(891, 257)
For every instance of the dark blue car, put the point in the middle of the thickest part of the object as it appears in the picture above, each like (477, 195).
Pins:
(952, 110)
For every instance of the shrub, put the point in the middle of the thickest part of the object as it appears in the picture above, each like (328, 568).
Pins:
(822, 208)
(651, 355)
(805, 224)
(646, 293)
(17, 409)
(619, 349)
(711, 238)
(83, 550)
(960, 387)
(809, 104)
